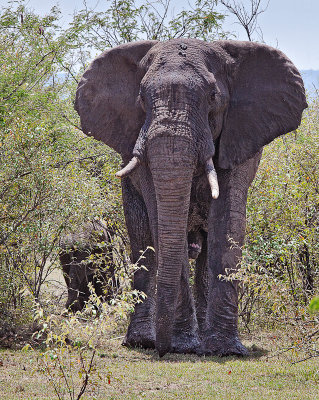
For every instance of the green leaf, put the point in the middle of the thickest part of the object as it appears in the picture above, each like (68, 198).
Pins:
(314, 305)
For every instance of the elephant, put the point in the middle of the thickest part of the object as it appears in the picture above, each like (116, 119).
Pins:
(92, 238)
(189, 119)
(195, 241)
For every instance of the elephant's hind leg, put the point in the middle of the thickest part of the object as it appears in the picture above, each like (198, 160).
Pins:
(141, 330)
(201, 285)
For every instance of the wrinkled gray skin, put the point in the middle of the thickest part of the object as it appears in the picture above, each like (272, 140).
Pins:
(175, 105)
(79, 272)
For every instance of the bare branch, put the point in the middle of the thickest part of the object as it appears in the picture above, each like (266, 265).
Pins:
(166, 7)
(246, 18)
(87, 374)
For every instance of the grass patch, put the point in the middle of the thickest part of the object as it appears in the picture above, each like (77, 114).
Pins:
(136, 374)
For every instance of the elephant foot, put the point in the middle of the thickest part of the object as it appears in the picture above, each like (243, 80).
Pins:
(185, 343)
(218, 345)
(139, 337)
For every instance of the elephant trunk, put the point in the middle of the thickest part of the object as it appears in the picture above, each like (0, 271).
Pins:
(171, 162)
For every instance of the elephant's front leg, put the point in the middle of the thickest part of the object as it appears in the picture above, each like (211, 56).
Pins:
(141, 330)
(226, 222)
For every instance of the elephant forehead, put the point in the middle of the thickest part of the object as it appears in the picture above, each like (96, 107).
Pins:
(177, 72)
(173, 79)
(185, 53)
(184, 48)
(177, 79)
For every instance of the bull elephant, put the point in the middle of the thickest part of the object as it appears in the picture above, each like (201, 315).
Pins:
(189, 119)
(93, 238)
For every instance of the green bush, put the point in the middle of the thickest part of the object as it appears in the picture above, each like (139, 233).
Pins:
(279, 270)
(52, 177)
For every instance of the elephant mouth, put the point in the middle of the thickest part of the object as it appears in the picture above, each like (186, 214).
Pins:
(193, 250)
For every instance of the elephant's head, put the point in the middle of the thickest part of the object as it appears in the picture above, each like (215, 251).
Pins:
(177, 108)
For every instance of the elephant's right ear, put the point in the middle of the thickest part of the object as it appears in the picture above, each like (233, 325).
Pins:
(106, 97)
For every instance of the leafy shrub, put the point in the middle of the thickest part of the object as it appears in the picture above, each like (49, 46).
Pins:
(279, 271)
(52, 175)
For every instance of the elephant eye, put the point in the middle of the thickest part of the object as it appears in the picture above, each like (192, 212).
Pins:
(141, 100)
(141, 95)
(213, 95)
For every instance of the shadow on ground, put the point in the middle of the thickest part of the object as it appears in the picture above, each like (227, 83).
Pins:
(255, 353)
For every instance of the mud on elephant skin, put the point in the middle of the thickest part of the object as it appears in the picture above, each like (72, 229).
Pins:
(189, 119)
(93, 238)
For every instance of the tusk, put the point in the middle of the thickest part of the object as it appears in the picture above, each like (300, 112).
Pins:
(129, 168)
(212, 178)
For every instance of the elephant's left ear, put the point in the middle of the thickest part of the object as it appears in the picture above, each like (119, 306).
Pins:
(266, 100)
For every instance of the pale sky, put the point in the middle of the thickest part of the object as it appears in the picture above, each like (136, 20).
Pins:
(290, 25)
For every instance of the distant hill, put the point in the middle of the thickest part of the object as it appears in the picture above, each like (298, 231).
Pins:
(311, 79)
